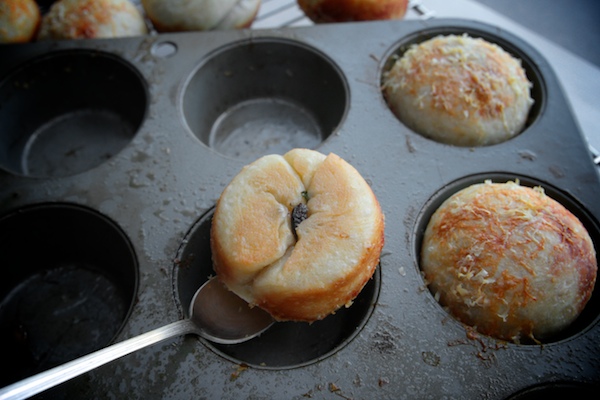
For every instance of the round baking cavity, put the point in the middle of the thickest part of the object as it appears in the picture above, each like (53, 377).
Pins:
(286, 344)
(67, 112)
(264, 96)
(69, 282)
(575, 390)
(590, 316)
(538, 91)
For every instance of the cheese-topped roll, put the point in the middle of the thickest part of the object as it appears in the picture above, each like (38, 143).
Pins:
(459, 90)
(509, 261)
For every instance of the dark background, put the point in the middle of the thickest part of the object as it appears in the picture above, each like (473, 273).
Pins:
(572, 24)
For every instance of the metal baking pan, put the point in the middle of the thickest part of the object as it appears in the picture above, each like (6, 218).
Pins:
(114, 153)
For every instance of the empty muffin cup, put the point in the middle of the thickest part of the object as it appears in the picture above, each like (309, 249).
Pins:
(264, 96)
(497, 268)
(67, 112)
(578, 390)
(69, 283)
(285, 344)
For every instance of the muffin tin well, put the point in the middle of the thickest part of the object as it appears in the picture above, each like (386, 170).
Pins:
(264, 96)
(115, 152)
(531, 71)
(68, 112)
(69, 284)
(272, 350)
(591, 313)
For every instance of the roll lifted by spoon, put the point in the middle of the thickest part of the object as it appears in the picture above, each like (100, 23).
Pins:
(298, 235)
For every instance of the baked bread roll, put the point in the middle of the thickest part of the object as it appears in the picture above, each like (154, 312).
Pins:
(459, 90)
(200, 15)
(509, 261)
(19, 20)
(353, 10)
(307, 272)
(92, 19)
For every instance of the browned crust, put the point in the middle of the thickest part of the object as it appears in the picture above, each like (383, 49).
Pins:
(482, 80)
(306, 305)
(82, 26)
(88, 19)
(17, 8)
(288, 302)
(353, 10)
(519, 285)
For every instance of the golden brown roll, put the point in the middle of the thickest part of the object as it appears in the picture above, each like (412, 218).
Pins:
(19, 20)
(91, 19)
(509, 261)
(303, 273)
(353, 10)
(459, 90)
(200, 15)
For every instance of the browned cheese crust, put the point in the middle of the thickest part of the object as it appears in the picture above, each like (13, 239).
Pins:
(459, 90)
(92, 19)
(19, 20)
(337, 248)
(509, 261)
(353, 10)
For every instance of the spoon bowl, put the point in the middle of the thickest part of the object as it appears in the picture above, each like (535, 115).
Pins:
(223, 317)
(215, 313)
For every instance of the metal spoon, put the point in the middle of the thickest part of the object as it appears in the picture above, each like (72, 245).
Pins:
(216, 314)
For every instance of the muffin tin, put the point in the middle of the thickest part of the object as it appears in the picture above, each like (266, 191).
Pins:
(114, 153)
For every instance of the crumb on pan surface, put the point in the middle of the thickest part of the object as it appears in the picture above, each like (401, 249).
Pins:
(459, 90)
(256, 253)
(509, 261)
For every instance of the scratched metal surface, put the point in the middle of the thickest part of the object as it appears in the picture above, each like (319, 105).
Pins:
(161, 184)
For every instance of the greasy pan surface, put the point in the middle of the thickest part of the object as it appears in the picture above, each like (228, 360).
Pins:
(143, 142)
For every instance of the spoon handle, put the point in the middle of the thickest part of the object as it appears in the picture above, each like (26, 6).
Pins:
(62, 373)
